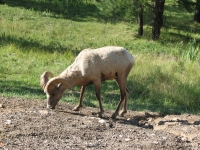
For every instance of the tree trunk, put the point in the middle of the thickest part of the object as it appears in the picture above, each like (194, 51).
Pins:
(157, 18)
(140, 21)
(155, 27)
(160, 12)
(197, 12)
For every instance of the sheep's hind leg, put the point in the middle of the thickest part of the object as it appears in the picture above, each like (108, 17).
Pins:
(97, 86)
(76, 108)
(122, 98)
(124, 109)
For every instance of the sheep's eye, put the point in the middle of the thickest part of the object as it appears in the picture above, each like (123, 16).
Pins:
(53, 94)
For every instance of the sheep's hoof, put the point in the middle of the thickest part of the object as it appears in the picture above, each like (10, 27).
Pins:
(122, 113)
(114, 116)
(76, 108)
(99, 114)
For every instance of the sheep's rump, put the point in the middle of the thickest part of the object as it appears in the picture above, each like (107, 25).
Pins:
(107, 62)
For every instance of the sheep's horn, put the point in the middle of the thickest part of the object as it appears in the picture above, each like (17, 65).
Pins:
(45, 78)
(53, 82)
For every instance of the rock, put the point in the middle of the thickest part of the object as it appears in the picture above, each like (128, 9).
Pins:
(89, 144)
(2, 144)
(147, 126)
(102, 121)
(175, 119)
(133, 121)
(196, 123)
(127, 139)
(161, 122)
(150, 119)
(2, 106)
(73, 125)
(43, 112)
(184, 138)
(8, 121)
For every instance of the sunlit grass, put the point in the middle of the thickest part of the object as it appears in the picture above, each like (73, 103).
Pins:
(166, 84)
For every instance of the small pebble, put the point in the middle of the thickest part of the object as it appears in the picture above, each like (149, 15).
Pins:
(43, 112)
(102, 121)
(8, 121)
(1, 106)
(127, 139)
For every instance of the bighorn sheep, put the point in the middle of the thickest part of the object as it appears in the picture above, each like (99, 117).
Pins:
(91, 67)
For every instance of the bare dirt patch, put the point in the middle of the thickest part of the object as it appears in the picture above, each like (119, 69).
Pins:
(27, 124)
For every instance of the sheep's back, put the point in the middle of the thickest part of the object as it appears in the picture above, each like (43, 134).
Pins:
(106, 61)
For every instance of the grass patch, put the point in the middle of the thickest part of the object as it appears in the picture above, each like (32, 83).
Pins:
(35, 37)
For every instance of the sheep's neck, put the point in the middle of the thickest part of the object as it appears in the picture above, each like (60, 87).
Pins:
(73, 77)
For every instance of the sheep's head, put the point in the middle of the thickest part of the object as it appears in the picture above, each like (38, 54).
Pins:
(53, 88)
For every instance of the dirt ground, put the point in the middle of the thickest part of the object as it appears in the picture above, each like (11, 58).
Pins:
(27, 124)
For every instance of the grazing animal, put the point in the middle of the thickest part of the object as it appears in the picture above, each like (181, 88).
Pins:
(91, 66)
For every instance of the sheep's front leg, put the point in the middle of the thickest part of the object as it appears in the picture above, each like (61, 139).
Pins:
(97, 86)
(80, 99)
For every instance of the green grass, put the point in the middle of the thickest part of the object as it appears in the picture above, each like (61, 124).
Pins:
(35, 37)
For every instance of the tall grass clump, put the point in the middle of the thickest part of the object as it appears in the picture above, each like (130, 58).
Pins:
(192, 51)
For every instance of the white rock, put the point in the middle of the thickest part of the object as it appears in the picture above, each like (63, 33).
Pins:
(184, 138)
(128, 119)
(43, 112)
(175, 119)
(102, 121)
(153, 134)
(91, 118)
(127, 139)
(8, 121)
(155, 142)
